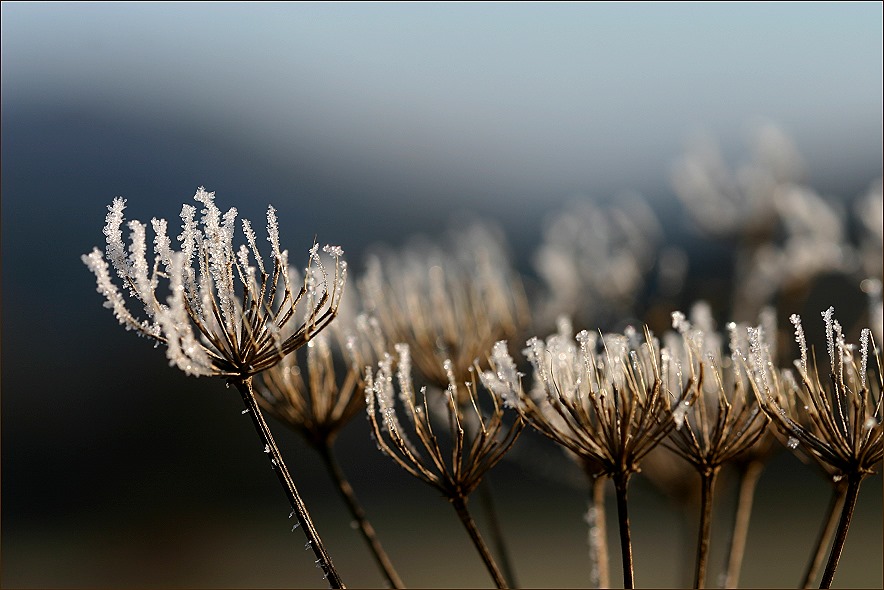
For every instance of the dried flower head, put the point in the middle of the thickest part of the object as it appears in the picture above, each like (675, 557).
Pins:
(594, 260)
(446, 306)
(603, 399)
(725, 420)
(308, 396)
(837, 421)
(606, 405)
(479, 439)
(223, 316)
(229, 312)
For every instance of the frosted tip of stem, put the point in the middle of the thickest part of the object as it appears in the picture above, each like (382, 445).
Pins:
(335, 251)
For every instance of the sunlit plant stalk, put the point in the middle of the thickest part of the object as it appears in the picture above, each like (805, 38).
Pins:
(226, 317)
(318, 408)
(597, 533)
(457, 470)
(827, 532)
(724, 422)
(608, 407)
(450, 307)
(839, 424)
(749, 472)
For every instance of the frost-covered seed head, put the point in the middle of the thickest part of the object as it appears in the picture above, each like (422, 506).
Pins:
(219, 318)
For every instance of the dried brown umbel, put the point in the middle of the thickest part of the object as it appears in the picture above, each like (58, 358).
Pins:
(311, 399)
(723, 422)
(450, 305)
(479, 438)
(837, 421)
(224, 317)
(608, 406)
(426, 296)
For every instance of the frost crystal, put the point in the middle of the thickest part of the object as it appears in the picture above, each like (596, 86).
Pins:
(864, 339)
(799, 338)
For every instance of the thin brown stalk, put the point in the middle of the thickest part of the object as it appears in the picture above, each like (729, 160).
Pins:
(750, 472)
(707, 492)
(323, 560)
(486, 501)
(621, 480)
(356, 510)
(853, 482)
(460, 506)
(836, 503)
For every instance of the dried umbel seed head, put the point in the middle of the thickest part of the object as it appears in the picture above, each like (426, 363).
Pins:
(304, 391)
(594, 260)
(479, 437)
(601, 398)
(724, 421)
(836, 420)
(446, 305)
(228, 312)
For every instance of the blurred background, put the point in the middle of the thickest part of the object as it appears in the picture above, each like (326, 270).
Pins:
(366, 124)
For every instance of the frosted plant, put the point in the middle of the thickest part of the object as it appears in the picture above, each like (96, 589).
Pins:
(724, 202)
(309, 397)
(229, 311)
(446, 305)
(836, 420)
(724, 421)
(595, 260)
(449, 307)
(602, 399)
(455, 469)
(506, 384)
(785, 233)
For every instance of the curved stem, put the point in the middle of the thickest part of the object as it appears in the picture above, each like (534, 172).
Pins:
(708, 488)
(836, 503)
(598, 533)
(486, 501)
(460, 506)
(322, 558)
(749, 474)
(853, 481)
(621, 480)
(356, 510)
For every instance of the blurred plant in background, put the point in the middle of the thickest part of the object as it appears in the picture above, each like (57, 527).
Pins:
(595, 261)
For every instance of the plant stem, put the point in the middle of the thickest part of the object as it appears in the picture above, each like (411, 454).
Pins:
(356, 510)
(598, 533)
(322, 558)
(486, 500)
(621, 480)
(460, 506)
(836, 503)
(707, 478)
(853, 481)
(749, 474)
